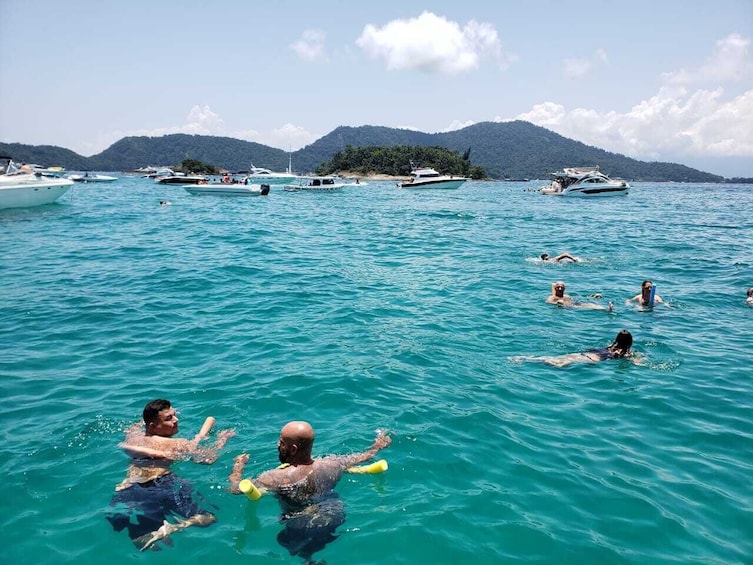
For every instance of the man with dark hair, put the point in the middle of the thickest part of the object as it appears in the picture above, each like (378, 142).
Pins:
(311, 509)
(151, 493)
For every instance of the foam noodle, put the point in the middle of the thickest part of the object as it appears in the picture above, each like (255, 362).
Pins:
(249, 489)
(376, 467)
(652, 296)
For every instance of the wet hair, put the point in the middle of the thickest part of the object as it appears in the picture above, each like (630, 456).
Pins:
(643, 284)
(750, 291)
(153, 408)
(622, 344)
(544, 256)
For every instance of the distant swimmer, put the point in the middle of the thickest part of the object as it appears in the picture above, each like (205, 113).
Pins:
(151, 493)
(559, 298)
(620, 348)
(165, 203)
(558, 258)
(647, 297)
(311, 509)
(749, 300)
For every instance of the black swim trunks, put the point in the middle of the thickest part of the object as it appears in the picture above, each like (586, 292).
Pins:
(143, 507)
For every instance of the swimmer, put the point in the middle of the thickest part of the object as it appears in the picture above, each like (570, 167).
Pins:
(151, 493)
(165, 203)
(749, 299)
(558, 258)
(563, 300)
(644, 298)
(620, 348)
(311, 509)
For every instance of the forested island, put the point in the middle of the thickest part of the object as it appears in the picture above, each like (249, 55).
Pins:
(490, 150)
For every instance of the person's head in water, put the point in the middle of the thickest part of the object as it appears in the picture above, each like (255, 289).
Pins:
(160, 418)
(545, 256)
(558, 289)
(622, 344)
(646, 287)
(295, 443)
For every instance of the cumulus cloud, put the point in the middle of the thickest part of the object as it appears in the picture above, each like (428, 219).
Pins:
(432, 44)
(729, 61)
(678, 121)
(311, 46)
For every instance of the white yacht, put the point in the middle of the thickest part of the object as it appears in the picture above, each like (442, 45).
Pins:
(20, 187)
(316, 184)
(426, 177)
(262, 175)
(584, 181)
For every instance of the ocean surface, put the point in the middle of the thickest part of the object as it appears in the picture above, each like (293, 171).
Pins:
(384, 308)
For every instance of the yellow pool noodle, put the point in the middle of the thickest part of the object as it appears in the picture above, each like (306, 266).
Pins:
(376, 467)
(249, 489)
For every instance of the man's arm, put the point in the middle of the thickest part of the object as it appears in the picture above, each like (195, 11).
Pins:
(381, 441)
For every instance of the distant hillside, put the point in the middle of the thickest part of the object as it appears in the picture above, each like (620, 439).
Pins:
(505, 150)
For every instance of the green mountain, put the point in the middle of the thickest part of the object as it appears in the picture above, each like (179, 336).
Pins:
(504, 150)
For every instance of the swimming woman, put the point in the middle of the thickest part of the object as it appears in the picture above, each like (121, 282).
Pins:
(620, 348)
(749, 300)
(558, 258)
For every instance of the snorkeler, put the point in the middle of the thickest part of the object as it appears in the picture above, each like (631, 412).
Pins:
(151, 493)
(620, 348)
(311, 509)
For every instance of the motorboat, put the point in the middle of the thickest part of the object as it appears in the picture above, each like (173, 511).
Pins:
(584, 181)
(181, 178)
(228, 189)
(266, 176)
(56, 172)
(426, 177)
(316, 184)
(20, 187)
(92, 177)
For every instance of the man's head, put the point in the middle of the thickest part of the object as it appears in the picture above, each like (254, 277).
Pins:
(544, 256)
(558, 288)
(295, 443)
(160, 418)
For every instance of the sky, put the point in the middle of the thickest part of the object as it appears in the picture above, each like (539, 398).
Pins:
(656, 80)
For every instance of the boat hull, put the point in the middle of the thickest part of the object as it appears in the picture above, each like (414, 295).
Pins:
(33, 193)
(227, 189)
(446, 184)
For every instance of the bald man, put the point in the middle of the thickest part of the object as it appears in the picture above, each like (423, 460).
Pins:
(311, 509)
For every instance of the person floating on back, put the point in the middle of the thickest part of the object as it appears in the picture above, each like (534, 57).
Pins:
(559, 298)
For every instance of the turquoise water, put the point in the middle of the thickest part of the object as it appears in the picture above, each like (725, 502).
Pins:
(381, 308)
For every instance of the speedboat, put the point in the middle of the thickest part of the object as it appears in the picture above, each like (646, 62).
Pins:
(21, 187)
(228, 189)
(181, 178)
(315, 184)
(91, 177)
(262, 175)
(584, 181)
(426, 177)
(49, 171)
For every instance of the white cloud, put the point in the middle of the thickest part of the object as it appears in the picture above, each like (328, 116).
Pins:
(310, 47)
(456, 125)
(432, 44)
(577, 68)
(671, 123)
(676, 122)
(730, 61)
